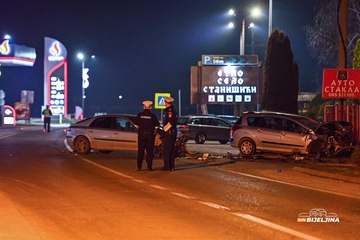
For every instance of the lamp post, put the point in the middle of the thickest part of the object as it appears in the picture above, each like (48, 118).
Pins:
(254, 13)
(81, 57)
(84, 76)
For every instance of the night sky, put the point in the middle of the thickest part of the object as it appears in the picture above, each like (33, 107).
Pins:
(141, 46)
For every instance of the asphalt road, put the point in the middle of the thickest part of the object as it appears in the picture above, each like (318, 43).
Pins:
(62, 195)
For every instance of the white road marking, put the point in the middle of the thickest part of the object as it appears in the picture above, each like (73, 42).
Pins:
(107, 169)
(158, 187)
(182, 195)
(275, 226)
(5, 135)
(291, 184)
(213, 205)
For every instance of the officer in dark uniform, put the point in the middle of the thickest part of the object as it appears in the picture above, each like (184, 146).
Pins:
(147, 122)
(170, 121)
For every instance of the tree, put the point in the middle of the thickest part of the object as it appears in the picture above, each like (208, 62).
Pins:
(281, 84)
(323, 35)
(356, 59)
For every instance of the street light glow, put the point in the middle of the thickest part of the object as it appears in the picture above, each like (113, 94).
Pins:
(256, 12)
(7, 37)
(231, 25)
(80, 56)
(232, 12)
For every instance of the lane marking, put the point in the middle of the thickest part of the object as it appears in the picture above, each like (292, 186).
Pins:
(5, 135)
(291, 184)
(275, 226)
(107, 169)
(158, 187)
(182, 195)
(213, 205)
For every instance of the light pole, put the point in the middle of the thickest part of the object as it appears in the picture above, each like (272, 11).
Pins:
(254, 13)
(81, 57)
(85, 81)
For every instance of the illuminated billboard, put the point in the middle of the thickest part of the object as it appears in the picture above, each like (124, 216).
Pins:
(16, 55)
(55, 76)
(225, 84)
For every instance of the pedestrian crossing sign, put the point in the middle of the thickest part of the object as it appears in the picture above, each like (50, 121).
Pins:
(160, 100)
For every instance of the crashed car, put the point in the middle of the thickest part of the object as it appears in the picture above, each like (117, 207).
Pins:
(290, 133)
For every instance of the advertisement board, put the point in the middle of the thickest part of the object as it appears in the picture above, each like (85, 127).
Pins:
(22, 111)
(341, 83)
(224, 84)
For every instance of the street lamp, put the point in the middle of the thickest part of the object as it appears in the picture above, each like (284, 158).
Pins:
(254, 13)
(85, 77)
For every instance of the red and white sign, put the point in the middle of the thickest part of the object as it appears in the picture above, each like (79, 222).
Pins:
(341, 83)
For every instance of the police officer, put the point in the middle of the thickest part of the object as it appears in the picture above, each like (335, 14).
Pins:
(170, 121)
(47, 118)
(147, 122)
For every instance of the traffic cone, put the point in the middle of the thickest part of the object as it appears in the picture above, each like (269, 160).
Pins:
(64, 131)
(21, 129)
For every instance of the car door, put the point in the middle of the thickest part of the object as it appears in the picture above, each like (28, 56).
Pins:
(221, 130)
(293, 136)
(124, 134)
(267, 134)
(100, 133)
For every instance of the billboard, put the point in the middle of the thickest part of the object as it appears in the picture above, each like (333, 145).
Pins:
(55, 76)
(225, 84)
(341, 83)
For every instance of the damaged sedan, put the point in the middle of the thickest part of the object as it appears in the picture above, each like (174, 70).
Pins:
(290, 133)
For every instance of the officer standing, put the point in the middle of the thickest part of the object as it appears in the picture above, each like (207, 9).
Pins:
(47, 118)
(147, 122)
(170, 136)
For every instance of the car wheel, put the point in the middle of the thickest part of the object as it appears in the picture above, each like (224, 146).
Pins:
(82, 145)
(247, 147)
(223, 142)
(105, 151)
(200, 138)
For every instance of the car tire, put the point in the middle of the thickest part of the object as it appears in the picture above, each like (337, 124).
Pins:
(223, 142)
(105, 151)
(200, 138)
(247, 147)
(82, 145)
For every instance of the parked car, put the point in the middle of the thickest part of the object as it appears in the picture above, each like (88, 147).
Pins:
(105, 133)
(204, 127)
(290, 133)
(231, 119)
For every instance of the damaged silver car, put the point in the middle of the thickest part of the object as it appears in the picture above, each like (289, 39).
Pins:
(290, 133)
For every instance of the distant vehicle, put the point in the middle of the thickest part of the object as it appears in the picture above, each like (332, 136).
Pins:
(289, 133)
(105, 133)
(205, 127)
(229, 118)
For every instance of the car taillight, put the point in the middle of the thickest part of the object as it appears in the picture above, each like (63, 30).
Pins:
(184, 126)
(234, 128)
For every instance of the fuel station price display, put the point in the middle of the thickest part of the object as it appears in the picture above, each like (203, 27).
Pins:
(57, 95)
